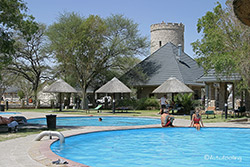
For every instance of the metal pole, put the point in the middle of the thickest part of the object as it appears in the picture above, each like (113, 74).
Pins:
(7, 105)
(226, 110)
(113, 103)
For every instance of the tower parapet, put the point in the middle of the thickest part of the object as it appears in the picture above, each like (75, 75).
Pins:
(163, 33)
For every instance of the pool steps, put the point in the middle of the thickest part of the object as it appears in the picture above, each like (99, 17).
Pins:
(50, 134)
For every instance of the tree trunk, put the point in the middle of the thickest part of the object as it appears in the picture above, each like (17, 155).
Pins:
(84, 103)
(35, 88)
(35, 99)
(247, 97)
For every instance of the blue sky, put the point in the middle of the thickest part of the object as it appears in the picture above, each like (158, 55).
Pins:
(142, 12)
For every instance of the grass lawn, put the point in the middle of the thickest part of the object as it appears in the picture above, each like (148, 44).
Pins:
(22, 133)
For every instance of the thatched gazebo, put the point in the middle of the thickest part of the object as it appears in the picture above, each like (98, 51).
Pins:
(60, 86)
(172, 85)
(114, 86)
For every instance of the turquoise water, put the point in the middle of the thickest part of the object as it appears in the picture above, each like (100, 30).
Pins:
(9, 113)
(93, 121)
(159, 147)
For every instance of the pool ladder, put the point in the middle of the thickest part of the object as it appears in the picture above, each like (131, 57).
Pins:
(50, 134)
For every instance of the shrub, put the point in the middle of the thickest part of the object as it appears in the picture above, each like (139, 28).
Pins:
(148, 103)
(185, 101)
(127, 103)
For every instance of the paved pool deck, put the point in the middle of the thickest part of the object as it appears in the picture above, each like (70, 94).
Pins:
(25, 152)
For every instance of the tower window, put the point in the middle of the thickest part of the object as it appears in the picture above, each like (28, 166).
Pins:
(160, 43)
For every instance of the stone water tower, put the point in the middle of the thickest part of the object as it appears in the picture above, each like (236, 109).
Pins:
(163, 33)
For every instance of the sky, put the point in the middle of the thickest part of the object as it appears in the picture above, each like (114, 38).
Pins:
(142, 12)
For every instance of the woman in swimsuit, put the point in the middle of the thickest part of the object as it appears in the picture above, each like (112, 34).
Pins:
(196, 120)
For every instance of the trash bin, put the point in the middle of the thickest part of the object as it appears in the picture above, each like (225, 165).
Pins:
(51, 121)
(2, 107)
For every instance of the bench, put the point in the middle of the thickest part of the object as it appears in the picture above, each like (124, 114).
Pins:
(124, 108)
(210, 111)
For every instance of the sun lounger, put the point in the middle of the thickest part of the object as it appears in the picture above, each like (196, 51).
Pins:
(19, 119)
(240, 111)
(4, 128)
(98, 108)
(210, 111)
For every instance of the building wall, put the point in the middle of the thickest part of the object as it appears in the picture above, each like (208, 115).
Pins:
(145, 91)
(163, 33)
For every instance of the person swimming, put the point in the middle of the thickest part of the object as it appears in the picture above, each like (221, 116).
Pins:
(196, 120)
(100, 119)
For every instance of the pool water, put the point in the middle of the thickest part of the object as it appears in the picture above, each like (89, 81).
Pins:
(9, 113)
(159, 147)
(93, 121)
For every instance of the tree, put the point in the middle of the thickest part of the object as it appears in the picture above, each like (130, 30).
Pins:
(30, 59)
(87, 47)
(225, 45)
(13, 18)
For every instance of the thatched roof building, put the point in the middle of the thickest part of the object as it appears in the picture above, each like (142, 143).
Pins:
(60, 86)
(173, 85)
(168, 61)
(114, 86)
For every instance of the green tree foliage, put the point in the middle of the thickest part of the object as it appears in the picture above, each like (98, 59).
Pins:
(87, 47)
(30, 60)
(21, 94)
(225, 44)
(12, 19)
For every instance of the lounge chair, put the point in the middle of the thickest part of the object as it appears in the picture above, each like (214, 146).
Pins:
(4, 128)
(19, 119)
(240, 111)
(210, 111)
(98, 108)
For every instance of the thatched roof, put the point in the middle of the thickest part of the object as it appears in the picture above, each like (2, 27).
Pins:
(173, 85)
(114, 86)
(60, 86)
(242, 10)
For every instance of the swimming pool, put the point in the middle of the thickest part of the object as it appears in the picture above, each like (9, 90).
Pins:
(9, 113)
(178, 147)
(93, 121)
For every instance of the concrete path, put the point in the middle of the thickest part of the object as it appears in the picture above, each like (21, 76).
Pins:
(25, 152)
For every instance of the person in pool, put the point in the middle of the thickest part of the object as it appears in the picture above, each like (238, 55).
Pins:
(196, 119)
(100, 119)
(166, 118)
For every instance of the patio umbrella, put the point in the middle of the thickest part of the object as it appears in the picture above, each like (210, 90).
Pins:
(60, 86)
(173, 85)
(114, 86)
